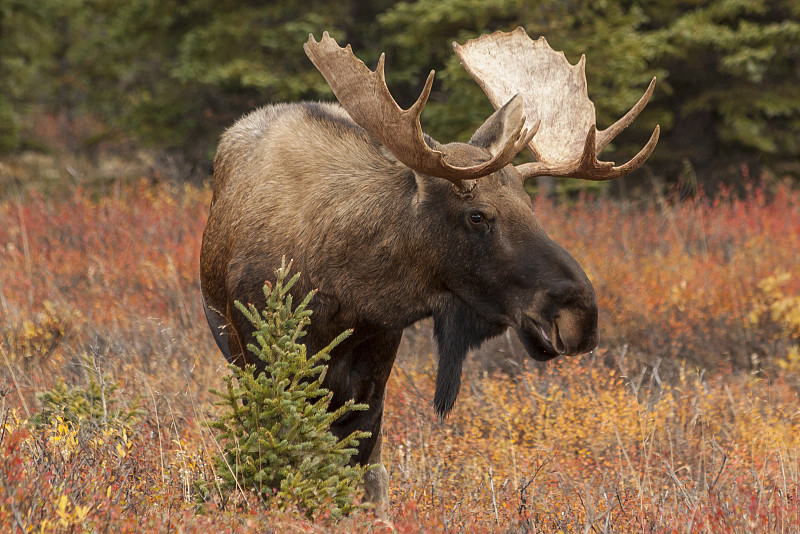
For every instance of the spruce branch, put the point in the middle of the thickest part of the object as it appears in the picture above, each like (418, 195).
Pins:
(274, 429)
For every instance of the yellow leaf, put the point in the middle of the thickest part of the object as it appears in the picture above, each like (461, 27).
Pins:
(62, 505)
(81, 512)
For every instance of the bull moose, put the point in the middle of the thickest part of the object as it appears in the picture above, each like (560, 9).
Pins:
(391, 226)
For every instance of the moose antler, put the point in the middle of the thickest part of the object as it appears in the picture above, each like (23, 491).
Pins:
(364, 95)
(554, 92)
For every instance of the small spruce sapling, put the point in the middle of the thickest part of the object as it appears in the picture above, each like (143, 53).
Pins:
(274, 430)
(91, 408)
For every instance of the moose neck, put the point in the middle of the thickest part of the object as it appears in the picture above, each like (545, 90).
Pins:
(387, 252)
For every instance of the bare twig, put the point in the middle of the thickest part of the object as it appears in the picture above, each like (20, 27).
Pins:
(158, 430)
(410, 381)
(494, 499)
(14, 379)
(26, 249)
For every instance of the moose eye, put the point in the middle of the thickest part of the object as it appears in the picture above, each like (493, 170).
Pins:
(476, 217)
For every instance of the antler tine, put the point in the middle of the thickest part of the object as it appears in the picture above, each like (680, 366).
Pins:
(416, 109)
(364, 95)
(636, 161)
(419, 105)
(588, 167)
(607, 135)
(589, 155)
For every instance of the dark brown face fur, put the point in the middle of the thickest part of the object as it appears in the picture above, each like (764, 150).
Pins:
(503, 265)
(385, 247)
(500, 270)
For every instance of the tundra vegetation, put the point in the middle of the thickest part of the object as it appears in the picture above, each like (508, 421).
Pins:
(685, 417)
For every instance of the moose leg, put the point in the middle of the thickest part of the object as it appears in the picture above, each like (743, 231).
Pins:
(360, 371)
(376, 481)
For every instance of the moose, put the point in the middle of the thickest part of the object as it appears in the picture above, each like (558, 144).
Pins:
(390, 226)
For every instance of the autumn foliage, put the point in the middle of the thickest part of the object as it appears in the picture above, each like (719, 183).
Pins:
(684, 419)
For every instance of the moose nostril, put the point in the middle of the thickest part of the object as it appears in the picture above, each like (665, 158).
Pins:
(572, 336)
(558, 343)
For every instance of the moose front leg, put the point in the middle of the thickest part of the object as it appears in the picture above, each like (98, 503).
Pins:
(360, 372)
(376, 481)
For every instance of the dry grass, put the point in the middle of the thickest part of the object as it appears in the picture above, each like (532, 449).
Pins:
(684, 420)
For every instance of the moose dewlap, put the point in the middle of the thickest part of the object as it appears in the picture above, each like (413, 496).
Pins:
(391, 226)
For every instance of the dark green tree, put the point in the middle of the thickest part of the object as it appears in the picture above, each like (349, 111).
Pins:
(174, 74)
(729, 72)
(275, 426)
(731, 88)
(26, 61)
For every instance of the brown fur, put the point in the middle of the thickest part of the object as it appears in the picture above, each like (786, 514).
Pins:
(385, 247)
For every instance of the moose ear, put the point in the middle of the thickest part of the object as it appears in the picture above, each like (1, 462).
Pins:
(493, 133)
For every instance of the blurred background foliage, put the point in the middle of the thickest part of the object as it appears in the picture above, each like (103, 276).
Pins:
(170, 75)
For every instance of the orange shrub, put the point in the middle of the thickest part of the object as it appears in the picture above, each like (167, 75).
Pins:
(684, 419)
